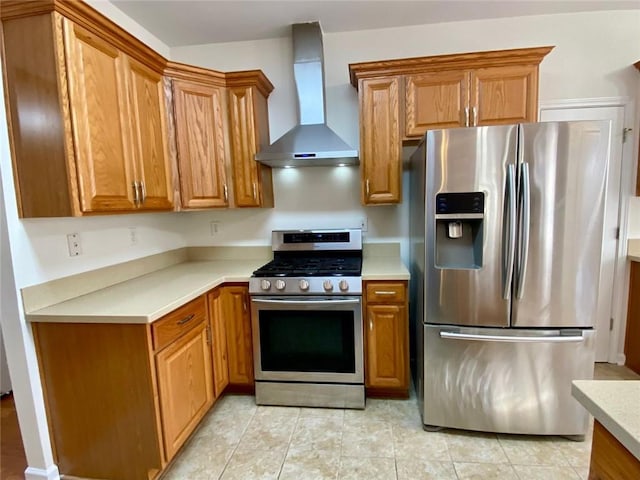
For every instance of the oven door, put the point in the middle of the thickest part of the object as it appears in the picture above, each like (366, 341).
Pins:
(308, 339)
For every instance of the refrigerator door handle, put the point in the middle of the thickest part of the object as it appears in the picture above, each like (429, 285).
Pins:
(509, 240)
(525, 218)
(512, 338)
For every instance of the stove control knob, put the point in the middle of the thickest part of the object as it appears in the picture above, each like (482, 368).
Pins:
(344, 285)
(327, 285)
(280, 284)
(265, 284)
(304, 285)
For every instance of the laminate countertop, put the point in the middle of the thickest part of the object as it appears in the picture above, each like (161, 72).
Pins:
(633, 249)
(147, 298)
(616, 405)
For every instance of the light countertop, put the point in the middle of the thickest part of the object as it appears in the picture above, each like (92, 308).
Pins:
(633, 249)
(147, 298)
(616, 405)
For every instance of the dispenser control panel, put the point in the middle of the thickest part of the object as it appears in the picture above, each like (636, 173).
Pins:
(466, 202)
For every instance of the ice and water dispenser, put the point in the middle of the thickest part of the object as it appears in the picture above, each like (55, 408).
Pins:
(459, 223)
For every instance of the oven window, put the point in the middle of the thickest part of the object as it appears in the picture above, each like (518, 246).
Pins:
(307, 341)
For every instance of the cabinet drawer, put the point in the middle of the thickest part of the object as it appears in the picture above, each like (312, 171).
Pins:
(386, 292)
(181, 320)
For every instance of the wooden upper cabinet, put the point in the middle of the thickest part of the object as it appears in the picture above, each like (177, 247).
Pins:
(200, 137)
(435, 100)
(380, 142)
(444, 91)
(150, 142)
(99, 144)
(249, 130)
(106, 138)
(99, 121)
(504, 95)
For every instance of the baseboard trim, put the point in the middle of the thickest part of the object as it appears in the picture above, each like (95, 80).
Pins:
(50, 473)
(622, 359)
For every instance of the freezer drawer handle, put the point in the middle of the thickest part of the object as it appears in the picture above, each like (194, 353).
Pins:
(512, 339)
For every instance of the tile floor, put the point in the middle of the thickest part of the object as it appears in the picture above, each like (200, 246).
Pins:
(239, 440)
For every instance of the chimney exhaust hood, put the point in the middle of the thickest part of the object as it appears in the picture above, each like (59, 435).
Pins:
(311, 143)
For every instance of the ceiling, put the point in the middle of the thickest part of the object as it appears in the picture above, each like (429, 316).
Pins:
(178, 23)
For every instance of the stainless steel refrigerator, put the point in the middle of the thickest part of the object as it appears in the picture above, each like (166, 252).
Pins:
(506, 226)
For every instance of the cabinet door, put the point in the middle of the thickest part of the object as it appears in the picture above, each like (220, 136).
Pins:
(151, 151)
(219, 342)
(202, 154)
(239, 343)
(436, 100)
(387, 352)
(185, 382)
(100, 122)
(380, 142)
(632, 337)
(504, 95)
(248, 124)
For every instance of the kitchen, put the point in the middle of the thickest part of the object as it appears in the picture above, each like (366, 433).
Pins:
(39, 249)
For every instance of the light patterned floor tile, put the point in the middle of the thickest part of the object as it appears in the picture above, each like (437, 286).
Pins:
(334, 413)
(583, 472)
(420, 469)
(268, 432)
(198, 462)
(474, 447)
(367, 469)
(256, 465)
(530, 472)
(318, 465)
(316, 434)
(532, 450)
(484, 471)
(370, 439)
(578, 454)
(413, 443)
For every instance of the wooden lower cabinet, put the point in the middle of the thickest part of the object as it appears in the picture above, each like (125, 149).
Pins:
(185, 385)
(122, 398)
(237, 321)
(218, 342)
(610, 460)
(632, 336)
(386, 327)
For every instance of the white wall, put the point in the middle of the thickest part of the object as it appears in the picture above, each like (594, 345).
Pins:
(593, 57)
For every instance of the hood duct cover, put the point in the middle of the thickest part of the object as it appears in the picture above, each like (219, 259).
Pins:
(312, 142)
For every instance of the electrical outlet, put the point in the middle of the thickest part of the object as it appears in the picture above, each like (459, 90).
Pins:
(214, 227)
(364, 224)
(73, 242)
(133, 236)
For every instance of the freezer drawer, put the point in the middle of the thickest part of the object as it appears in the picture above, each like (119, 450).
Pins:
(505, 380)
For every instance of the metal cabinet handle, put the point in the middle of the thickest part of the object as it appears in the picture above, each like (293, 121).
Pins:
(384, 292)
(367, 187)
(209, 335)
(136, 194)
(255, 191)
(371, 325)
(466, 116)
(226, 193)
(186, 319)
(475, 116)
(143, 191)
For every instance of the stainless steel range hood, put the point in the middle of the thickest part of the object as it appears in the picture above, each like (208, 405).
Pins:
(311, 143)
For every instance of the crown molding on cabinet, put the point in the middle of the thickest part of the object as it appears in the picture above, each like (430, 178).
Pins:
(474, 60)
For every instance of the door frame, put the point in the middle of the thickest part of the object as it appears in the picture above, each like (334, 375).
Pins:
(627, 189)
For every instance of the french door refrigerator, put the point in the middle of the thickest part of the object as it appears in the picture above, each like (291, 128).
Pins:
(506, 226)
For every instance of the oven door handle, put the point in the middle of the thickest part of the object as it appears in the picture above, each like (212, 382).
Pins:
(307, 302)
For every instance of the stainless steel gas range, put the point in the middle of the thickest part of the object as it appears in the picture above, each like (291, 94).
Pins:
(307, 320)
